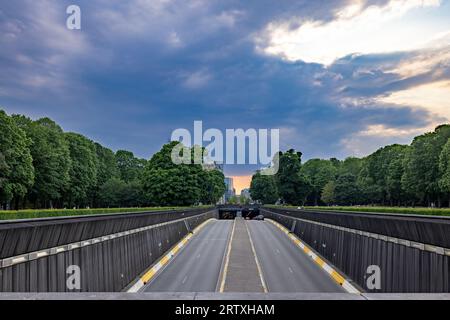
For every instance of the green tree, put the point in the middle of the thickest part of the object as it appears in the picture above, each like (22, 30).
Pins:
(83, 172)
(444, 167)
(293, 186)
(422, 173)
(233, 200)
(351, 165)
(51, 160)
(346, 191)
(111, 193)
(244, 200)
(130, 168)
(168, 184)
(328, 193)
(4, 171)
(380, 176)
(319, 173)
(263, 188)
(395, 170)
(18, 176)
(212, 185)
(133, 195)
(106, 170)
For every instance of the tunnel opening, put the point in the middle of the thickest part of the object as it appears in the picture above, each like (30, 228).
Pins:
(231, 212)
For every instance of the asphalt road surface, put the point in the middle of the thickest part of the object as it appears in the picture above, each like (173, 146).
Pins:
(284, 266)
(197, 267)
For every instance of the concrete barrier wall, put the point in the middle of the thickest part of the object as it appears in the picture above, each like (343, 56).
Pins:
(110, 251)
(425, 229)
(403, 267)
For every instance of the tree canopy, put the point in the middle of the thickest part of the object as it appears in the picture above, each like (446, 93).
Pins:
(418, 174)
(263, 189)
(167, 183)
(41, 166)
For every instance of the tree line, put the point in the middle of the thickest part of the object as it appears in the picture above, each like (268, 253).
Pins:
(41, 166)
(397, 175)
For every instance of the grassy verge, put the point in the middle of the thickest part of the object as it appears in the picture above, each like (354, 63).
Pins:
(400, 210)
(32, 214)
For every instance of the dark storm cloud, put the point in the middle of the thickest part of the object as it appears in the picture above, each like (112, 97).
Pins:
(139, 69)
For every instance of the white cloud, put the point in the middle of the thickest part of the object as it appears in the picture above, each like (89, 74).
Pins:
(197, 79)
(174, 40)
(375, 136)
(355, 29)
(43, 51)
(433, 97)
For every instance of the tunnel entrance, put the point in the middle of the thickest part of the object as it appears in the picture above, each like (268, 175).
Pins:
(230, 212)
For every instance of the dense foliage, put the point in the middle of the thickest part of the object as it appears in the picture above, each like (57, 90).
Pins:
(41, 166)
(167, 183)
(49, 213)
(396, 175)
(263, 188)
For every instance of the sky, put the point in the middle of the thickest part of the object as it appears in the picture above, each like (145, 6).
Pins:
(339, 78)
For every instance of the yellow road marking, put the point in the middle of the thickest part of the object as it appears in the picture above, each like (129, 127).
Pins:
(337, 277)
(320, 262)
(146, 278)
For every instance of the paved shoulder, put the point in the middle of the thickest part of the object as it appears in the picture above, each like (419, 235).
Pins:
(285, 267)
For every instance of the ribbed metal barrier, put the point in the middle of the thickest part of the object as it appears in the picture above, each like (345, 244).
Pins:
(411, 252)
(109, 250)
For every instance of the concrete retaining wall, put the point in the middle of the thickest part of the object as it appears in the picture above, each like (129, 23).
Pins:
(404, 268)
(110, 250)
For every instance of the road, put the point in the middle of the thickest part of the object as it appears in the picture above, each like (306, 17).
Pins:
(197, 267)
(284, 266)
(200, 266)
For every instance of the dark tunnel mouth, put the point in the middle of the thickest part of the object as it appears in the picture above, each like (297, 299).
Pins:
(230, 213)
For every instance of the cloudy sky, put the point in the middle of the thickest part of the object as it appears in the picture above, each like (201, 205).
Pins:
(337, 77)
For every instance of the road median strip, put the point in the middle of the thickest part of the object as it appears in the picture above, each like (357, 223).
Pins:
(336, 276)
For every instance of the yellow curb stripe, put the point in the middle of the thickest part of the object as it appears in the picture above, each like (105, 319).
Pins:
(319, 261)
(337, 277)
(148, 276)
(333, 273)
